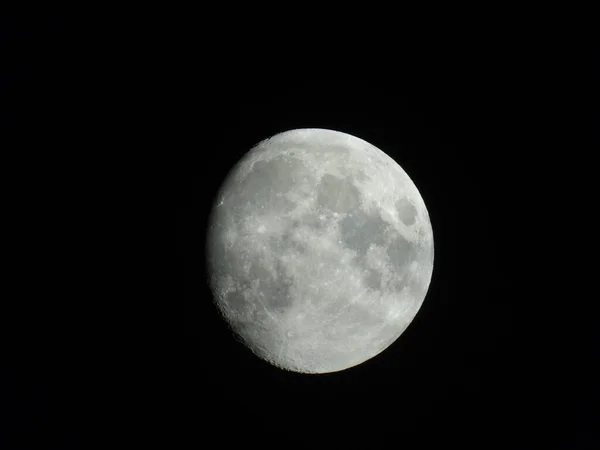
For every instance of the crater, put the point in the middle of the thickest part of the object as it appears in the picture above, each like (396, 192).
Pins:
(406, 211)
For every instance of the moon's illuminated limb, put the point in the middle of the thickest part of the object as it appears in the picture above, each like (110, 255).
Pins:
(320, 250)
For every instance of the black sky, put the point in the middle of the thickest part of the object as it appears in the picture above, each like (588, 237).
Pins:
(498, 133)
(489, 361)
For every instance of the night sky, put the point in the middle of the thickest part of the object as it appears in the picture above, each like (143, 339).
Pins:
(497, 134)
(488, 361)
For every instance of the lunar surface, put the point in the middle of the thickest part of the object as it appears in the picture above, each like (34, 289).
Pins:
(319, 250)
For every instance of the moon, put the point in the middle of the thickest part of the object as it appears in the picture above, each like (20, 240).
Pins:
(319, 250)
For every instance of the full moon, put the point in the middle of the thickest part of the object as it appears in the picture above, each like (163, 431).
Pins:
(319, 250)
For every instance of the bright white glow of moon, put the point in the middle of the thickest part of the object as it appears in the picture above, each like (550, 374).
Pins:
(319, 250)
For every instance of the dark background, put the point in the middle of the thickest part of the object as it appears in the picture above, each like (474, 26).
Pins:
(498, 354)
(498, 132)
(493, 359)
